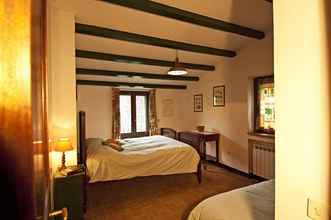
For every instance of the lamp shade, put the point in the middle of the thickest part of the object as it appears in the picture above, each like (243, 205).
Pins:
(178, 68)
(63, 144)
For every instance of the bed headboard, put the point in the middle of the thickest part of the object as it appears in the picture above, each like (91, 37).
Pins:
(81, 153)
(169, 132)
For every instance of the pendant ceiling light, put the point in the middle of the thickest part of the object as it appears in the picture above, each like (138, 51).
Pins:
(178, 68)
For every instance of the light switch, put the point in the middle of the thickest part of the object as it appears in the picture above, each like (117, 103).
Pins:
(317, 211)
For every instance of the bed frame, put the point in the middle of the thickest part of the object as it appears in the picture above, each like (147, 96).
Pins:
(187, 138)
(82, 153)
(168, 132)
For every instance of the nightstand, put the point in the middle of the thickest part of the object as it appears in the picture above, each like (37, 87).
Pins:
(68, 192)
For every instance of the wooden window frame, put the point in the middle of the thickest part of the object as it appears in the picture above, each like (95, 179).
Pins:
(257, 82)
(133, 95)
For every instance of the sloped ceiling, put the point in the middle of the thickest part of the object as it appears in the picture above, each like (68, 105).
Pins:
(256, 14)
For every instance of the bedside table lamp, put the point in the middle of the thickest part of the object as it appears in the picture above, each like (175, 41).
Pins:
(63, 145)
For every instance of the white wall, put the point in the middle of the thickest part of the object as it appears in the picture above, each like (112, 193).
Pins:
(231, 121)
(302, 79)
(61, 79)
(96, 102)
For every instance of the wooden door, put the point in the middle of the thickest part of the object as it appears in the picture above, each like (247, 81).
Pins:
(24, 166)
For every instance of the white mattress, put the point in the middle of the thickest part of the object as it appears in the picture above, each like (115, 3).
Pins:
(146, 156)
(255, 202)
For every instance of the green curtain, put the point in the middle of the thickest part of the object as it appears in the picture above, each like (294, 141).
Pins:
(116, 120)
(152, 113)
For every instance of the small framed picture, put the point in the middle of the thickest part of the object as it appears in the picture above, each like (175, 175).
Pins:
(219, 96)
(198, 103)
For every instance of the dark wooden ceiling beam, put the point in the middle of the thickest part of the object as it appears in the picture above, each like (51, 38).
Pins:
(118, 84)
(187, 16)
(148, 40)
(94, 72)
(138, 60)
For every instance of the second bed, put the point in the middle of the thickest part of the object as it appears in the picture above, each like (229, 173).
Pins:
(255, 202)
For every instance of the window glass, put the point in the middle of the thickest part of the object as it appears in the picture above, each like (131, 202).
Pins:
(125, 113)
(265, 105)
(141, 114)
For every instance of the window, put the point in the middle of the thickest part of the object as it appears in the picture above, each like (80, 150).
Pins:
(125, 112)
(264, 105)
(134, 114)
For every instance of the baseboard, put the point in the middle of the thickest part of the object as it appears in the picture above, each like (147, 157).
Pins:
(211, 159)
(259, 178)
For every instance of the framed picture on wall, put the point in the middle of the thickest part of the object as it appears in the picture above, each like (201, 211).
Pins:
(219, 96)
(167, 107)
(198, 103)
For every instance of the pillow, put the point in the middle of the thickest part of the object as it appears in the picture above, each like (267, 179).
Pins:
(109, 141)
(113, 141)
(121, 142)
(92, 144)
(116, 146)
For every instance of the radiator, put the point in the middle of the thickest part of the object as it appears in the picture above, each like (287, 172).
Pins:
(264, 160)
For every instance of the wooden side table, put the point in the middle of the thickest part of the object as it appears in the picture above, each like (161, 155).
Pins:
(209, 137)
(201, 138)
(68, 192)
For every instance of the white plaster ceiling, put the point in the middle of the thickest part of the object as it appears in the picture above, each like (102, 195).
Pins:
(256, 14)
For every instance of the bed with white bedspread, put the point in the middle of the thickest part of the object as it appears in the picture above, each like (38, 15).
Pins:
(145, 156)
(255, 202)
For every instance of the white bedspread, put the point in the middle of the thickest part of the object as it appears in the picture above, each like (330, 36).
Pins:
(146, 156)
(255, 202)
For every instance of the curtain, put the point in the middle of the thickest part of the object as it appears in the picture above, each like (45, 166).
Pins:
(116, 120)
(152, 113)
